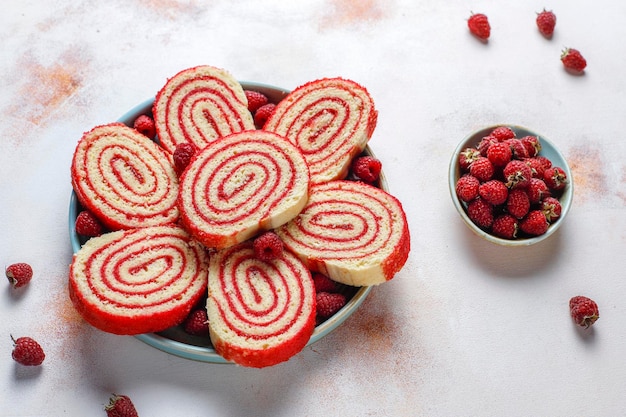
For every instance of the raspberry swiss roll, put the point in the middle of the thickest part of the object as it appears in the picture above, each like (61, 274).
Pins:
(353, 232)
(199, 105)
(138, 281)
(330, 120)
(241, 185)
(260, 312)
(124, 178)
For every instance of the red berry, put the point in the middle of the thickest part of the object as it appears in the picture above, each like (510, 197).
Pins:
(518, 203)
(367, 168)
(505, 226)
(535, 223)
(27, 351)
(499, 154)
(555, 178)
(584, 310)
(467, 156)
(518, 150)
(532, 145)
(551, 208)
(482, 168)
(196, 323)
(546, 20)
(485, 143)
(120, 406)
(255, 100)
(324, 284)
(573, 60)
(503, 133)
(537, 190)
(19, 274)
(182, 156)
(478, 25)
(263, 113)
(517, 174)
(268, 246)
(537, 167)
(480, 212)
(88, 225)
(493, 192)
(467, 188)
(144, 124)
(328, 304)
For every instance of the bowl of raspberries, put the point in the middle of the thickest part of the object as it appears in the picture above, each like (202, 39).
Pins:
(510, 185)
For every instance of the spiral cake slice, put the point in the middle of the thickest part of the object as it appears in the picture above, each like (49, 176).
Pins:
(352, 232)
(240, 185)
(260, 312)
(138, 281)
(124, 178)
(330, 120)
(199, 105)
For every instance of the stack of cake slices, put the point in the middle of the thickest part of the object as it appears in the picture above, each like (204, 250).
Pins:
(174, 241)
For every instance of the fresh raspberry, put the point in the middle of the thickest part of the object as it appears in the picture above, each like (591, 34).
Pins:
(532, 145)
(182, 156)
(263, 113)
(255, 100)
(499, 154)
(324, 284)
(503, 133)
(518, 203)
(518, 150)
(120, 406)
(27, 351)
(546, 20)
(485, 143)
(555, 178)
(573, 60)
(467, 188)
(88, 225)
(328, 304)
(196, 323)
(505, 226)
(467, 156)
(482, 168)
(551, 208)
(478, 25)
(517, 174)
(537, 190)
(584, 310)
(144, 124)
(19, 274)
(268, 246)
(367, 168)
(493, 192)
(537, 166)
(480, 212)
(535, 223)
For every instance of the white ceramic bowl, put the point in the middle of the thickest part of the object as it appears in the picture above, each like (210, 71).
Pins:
(548, 150)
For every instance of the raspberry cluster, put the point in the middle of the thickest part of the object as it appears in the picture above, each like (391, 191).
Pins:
(508, 188)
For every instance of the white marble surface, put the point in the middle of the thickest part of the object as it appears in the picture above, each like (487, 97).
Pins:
(465, 329)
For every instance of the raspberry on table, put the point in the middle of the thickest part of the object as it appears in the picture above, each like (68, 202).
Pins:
(255, 100)
(263, 113)
(196, 323)
(120, 406)
(482, 169)
(267, 246)
(182, 156)
(328, 304)
(467, 188)
(583, 310)
(19, 274)
(493, 192)
(323, 283)
(535, 223)
(505, 226)
(27, 351)
(478, 25)
(480, 212)
(87, 224)
(573, 60)
(367, 168)
(546, 21)
(145, 125)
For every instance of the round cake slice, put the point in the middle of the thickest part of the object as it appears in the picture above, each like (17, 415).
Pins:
(260, 312)
(330, 120)
(353, 232)
(124, 178)
(241, 185)
(199, 105)
(138, 281)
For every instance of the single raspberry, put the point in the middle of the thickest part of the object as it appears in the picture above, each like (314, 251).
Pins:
(120, 406)
(482, 169)
(537, 166)
(324, 284)
(480, 212)
(467, 156)
(144, 124)
(551, 208)
(467, 188)
(478, 25)
(485, 143)
(328, 304)
(499, 154)
(505, 226)
(88, 225)
(503, 133)
(546, 20)
(263, 113)
(268, 246)
(584, 310)
(182, 156)
(493, 192)
(535, 223)
(537, 190)
(27, 351)
(555, 178)
(517, 174)
(518, 150)
(573, 60)
(196, 323)
(19, 274)
(532, 145)
(255, 100)
(367, 168)
(518, 203)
